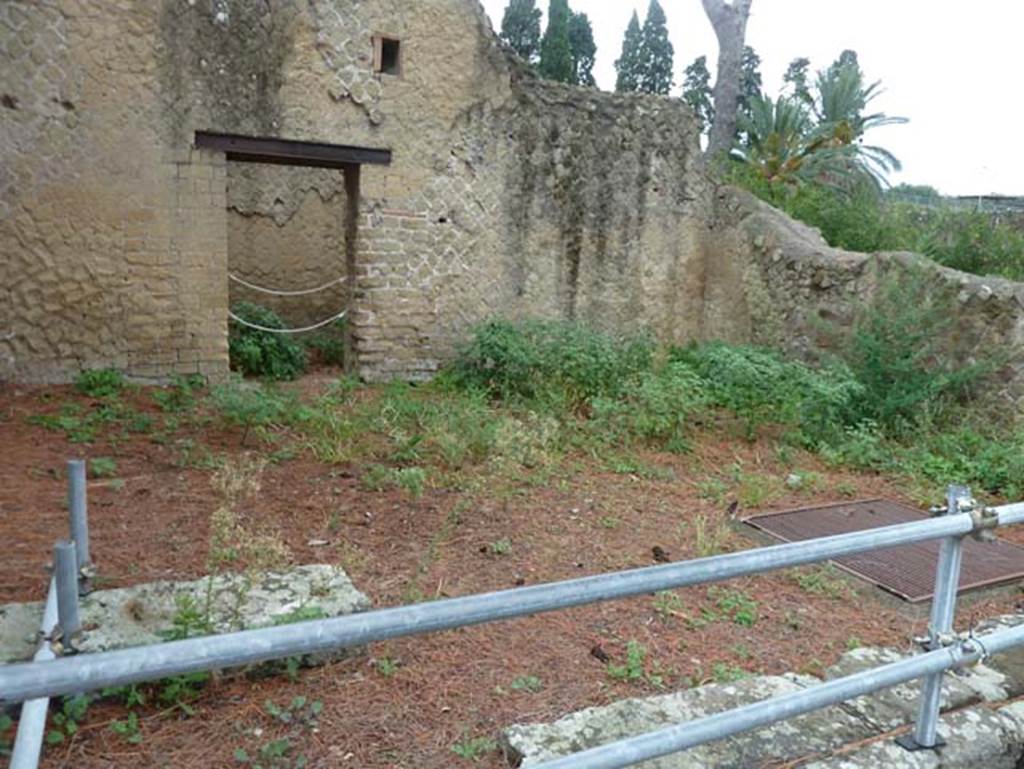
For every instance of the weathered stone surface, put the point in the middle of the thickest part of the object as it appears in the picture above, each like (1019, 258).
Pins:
(813, 733)
(135, 616)
(506, 195)
(975, 738)
(1009, 663)
(977, 735)
(776, 282)
(896, 706)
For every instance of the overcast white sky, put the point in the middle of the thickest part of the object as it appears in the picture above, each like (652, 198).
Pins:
(954, 67)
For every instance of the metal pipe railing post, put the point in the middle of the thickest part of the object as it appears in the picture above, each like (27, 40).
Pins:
(78, 512)
(28, 743)
(65, 572)
(940, 626)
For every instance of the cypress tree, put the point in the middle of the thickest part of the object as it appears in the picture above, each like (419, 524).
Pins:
(628, 64)
(656, 52)
(555, 53)
(750, 79)
(520, 28)
(584, 49)
(697, 91)
(796, 78)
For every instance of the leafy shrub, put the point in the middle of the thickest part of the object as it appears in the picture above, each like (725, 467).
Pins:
(655, 408)
(100, 383)
(556, 363)
(760, 387)
(895, 354)
(970, 241)
(180, 395)
(859, 219)
(263, 353)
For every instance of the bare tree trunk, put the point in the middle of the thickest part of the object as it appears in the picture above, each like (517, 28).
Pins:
(730, 24)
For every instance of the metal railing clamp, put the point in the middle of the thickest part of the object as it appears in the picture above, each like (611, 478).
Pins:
(986, 521)
(935, 640)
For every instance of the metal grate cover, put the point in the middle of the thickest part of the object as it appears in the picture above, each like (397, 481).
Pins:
(907, 571)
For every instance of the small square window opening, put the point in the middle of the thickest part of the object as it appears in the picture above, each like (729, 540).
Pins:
(387, 56)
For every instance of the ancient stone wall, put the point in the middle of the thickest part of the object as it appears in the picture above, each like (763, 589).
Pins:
(505, 195)
(112, 242)
(775, 282)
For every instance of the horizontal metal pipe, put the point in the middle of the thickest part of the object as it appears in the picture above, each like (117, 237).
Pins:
(673, 739)
(28, 743)
(1010, 514)
(87, 672)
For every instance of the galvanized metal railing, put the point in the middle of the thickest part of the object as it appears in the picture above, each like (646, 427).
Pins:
(961, 517)
(60, 621)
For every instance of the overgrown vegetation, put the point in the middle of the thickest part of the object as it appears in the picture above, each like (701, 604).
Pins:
(263, 353)
(858, 218)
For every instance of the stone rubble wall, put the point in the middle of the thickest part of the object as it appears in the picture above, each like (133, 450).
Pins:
(506, 196)
(774, 281)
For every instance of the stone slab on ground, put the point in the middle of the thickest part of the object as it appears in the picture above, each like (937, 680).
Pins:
(976, 738)
(819, 732)
(143, 614)
(972, 731)
(896, 706)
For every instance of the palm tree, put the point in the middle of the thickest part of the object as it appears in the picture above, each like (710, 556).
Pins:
(782, 144)
(840, 107)
(792, 141)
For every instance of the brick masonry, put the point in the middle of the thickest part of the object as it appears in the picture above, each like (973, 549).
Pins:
(506, 196)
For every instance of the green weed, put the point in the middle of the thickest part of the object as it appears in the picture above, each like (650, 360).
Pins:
(180, 395)
(273, 754)
(724, 673)
(255, 407)
(128, 728)
(735, 604)
(300, 711)
(474, 748)
(667, 604)
(500, 547)
(102, 467)
(710, 539)
(635, 667)
(824, 581)
(100, 383)
(64, 723)
(531, 684)
(6, 726)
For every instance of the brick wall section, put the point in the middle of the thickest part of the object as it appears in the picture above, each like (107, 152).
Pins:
(505, 195)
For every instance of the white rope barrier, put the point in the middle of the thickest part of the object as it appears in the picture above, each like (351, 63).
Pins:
(274, 292)
(269, 330)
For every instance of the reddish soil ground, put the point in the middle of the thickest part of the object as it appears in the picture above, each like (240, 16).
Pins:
(153, 523)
